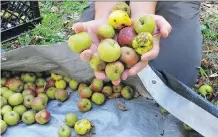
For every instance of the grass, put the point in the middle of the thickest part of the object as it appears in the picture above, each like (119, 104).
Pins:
(55, 27)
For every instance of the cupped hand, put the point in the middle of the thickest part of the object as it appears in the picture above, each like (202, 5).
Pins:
(163, 29)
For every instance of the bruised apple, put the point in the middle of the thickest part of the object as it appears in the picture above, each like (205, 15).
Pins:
(128, 57)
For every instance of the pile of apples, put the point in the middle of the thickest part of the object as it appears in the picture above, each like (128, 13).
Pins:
(25, 95)
(122, 43)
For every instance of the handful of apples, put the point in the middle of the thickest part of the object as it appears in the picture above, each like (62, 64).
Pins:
(122, 43)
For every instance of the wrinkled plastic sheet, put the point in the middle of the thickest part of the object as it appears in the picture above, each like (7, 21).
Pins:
(142, 119)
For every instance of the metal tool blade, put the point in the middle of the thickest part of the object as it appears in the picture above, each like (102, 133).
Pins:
(185, 110)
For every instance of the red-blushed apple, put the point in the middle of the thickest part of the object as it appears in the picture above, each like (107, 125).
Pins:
(61, 95)
(81, 86)
(20, 109)
(50, 83)
(40, 82)
(127, 92)
(114, 70)
(15, 99)
(96, 63)
(11, 118)
(30, 86)
(5, 108)
(27, 100)
(60, 84)
(98, 98)
(51, 92)
(28, 117)
(29, 77)
(126, 36)
(145, 23)
(29, 92)
(109, 50)
(38, 104)
(107, 90)
(3, 126)
(70, 119)
(128, 57)
(96, 85)
(40, 90)
(43, 96)
(15, 85)
(85, 93)
(118, 88)
(73, 84)
(105, 31)
(42, 117)
(84, 105)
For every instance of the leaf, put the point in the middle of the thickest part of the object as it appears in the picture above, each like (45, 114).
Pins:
(202, 72)
(121, 106)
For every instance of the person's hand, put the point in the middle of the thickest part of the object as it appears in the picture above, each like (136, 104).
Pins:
(91, 27)
(163, 29)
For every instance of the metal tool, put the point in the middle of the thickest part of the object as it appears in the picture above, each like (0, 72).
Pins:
(181, 101)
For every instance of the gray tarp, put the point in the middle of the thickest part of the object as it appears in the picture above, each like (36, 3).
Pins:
(143, 118)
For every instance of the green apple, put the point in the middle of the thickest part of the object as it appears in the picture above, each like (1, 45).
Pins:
(3, 89)
(73, 84)
(80, 42)
(42, 117)
(55, 76)
(127, 92)
(106, 31)
(85, 92)
(107, 90)
(187, 127)
(143, 42)
(29, 77)
(40, 82)
(70, 119)
(15, 99)
(122, 6)
(145, 23)
(7, 94)
(61, 84)
(114, 70)
(11, 118)
(51, 92)
(3, 101)
(109, 50)
(67, 79)
(96, 85)
(3, 126)
(43, 96)
(98, 98)
(64, 131)
(27, 100)
(28, 117)
(20, 109)
(15, 85)
(38, 104)
(29, 85)
(3, 80)
(96, 63)
(205, 90)
(163, 111)
(118, 88)
(5, 109)
(84, 105)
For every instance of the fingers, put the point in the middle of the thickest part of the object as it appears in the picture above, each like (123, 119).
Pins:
(116, 82)
(153, 53)
(137, 68)
(79, 27)
(100, 75)
(86, 55)
(125, 75)
(163, 26)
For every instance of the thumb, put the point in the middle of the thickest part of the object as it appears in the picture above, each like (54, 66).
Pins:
(79, 27)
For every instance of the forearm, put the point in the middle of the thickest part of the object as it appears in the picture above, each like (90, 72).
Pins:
(103, 9)
(138, 8)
